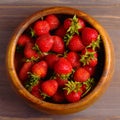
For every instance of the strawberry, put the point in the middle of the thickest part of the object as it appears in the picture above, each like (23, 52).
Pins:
(39, 69)
(60, 31)
(23, 40)
(82, 24)
(87, 86)
(58, 97)
(83, 88)
(53, 21)
(29, 52)
(75, 44)
(61, 81)
(77, 22)
(58, 45)
(36, 91)
(89, 35)
(89, 57)
(73, 96)
(23, 73)
(49, 87)
(41, 27)
(51, 60)
(63, 67)
(72, 30)
(81, 75)
(67, 23)
(73, 91)
(45, 42)
(73, 58)
(90, 69)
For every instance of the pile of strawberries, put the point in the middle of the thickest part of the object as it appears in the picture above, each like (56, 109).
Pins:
(58, 58)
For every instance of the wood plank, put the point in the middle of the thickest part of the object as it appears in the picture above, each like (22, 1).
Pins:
(60, 2)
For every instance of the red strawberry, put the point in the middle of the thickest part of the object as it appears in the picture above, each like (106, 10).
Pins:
(73, 91)
(23, 73)
(73, 58)
(61, 81)
(45, 42)
(75, 44)
(41, 27)
(36, 91)
(53, 21)
(51, 60)
(82, 24)
(49, 87)
(63, 67)
(67, 23)
(73, 96)
(23, 40)
(58, 97)
(90, 69)
(58, 45)
(83, 88)
(40, 69)
(60, 31)
(29, 52)
(81, 75)
(78, 21)
(89, 57)
(89, 35)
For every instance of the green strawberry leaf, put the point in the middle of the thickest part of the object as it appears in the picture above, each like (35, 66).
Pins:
(90, 83)
(32, 33)
(95, 44)
(85, 58)
(33, 80)
(73, 29)
(72, 86)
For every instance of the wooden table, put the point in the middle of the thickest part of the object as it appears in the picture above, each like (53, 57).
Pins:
(12, 12)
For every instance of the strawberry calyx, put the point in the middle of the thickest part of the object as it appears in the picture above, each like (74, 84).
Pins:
(73, 29)
(33, 59)
(95, 44)
(33, 80)
(74, 26)
(64, 76)
(90, 83)
(85, 58)
(72, 86)
(44, 96)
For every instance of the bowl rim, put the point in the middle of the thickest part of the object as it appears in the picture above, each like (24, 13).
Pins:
(87, 100)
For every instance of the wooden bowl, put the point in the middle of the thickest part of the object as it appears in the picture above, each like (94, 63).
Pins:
(105, 73)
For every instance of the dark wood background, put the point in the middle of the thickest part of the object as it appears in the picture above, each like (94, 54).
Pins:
(12, 12)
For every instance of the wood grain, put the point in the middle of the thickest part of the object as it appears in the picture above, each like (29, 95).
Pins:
(12, 12)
